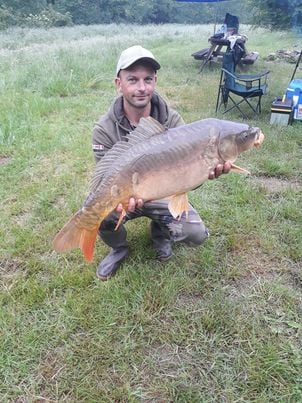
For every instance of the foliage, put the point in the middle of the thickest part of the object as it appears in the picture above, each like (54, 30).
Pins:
(48, 18)
(33, 12)
(25, 7)
(7, 18)
(277, 14)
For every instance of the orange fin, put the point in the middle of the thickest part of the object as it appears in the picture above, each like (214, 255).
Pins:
(239, 170)
(120, 220)
(178, 204)
(71, 237)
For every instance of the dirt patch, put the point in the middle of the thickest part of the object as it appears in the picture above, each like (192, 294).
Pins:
(290, 56)
(295, 277)
(10, 272)
(9, 266)
(242, 287)
(255, 262)
(4, 160)
(22, 219)
(274, 185)
(257, 267)
(168, 360)
(186, 300)
(51, 365)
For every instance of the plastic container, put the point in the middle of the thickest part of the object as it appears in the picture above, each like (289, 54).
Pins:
(294, 91)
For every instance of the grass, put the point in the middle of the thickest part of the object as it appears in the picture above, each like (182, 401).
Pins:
(218, 323)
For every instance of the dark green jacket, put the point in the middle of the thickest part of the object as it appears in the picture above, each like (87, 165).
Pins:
(114, 126)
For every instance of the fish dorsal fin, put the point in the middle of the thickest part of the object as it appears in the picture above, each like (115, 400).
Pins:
(103, 166)
(146, 128)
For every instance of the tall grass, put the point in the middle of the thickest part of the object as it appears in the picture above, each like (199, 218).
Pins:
(218, 323)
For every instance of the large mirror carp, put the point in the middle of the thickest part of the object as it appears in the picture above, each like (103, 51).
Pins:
(155, 163)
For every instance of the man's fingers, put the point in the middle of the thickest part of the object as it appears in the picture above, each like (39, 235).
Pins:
(212, 175)
(119, 208)
(218, 170)
(132, 204)
(140, 203)
(227, 167)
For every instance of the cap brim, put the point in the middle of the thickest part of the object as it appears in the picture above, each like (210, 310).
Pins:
(148, 60)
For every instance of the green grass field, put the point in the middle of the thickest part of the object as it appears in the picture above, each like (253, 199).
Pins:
(219, 323)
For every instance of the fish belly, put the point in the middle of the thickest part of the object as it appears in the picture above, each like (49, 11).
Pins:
(173, 179)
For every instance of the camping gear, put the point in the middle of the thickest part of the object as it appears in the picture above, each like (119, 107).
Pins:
(219, 41)
(281, 111)
(289, 107)
(244, 86)
(294, 92)
(227, 36)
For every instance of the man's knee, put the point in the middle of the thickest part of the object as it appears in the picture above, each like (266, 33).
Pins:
(196, 234)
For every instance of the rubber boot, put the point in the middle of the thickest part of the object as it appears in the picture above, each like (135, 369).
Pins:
(112, 262)
(161, 241)
(116, 239)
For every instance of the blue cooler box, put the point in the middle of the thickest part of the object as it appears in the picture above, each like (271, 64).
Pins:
(294, 91)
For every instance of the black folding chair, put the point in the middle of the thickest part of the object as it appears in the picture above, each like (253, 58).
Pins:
(239, 88)
(232, 23)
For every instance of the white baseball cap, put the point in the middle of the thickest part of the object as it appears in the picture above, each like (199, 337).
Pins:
(132, 55)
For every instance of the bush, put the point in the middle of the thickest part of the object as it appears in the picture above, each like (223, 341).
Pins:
(7, 18)
(48, 18)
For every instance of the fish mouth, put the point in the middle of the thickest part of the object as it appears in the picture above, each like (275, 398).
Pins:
(259, 139)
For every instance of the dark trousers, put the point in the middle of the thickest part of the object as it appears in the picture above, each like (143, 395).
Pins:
(190, 230)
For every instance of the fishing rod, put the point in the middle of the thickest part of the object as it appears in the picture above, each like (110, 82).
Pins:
(297, 64)
(294, 72)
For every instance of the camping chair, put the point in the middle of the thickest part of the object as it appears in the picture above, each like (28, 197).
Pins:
(243, 86)
(232, 23)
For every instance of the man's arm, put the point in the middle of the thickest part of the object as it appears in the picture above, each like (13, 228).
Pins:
(101, 143)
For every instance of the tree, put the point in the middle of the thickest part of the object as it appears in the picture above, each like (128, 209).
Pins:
(277, 14)
(24, 7)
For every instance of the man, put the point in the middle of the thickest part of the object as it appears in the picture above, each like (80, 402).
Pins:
(136, 81)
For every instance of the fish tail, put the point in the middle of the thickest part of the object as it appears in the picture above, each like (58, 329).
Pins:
(72, 236)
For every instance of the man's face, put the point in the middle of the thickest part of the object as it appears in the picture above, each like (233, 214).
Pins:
(137, 84)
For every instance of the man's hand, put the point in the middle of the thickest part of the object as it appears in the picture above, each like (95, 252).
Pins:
(132, 205)
(220, 169)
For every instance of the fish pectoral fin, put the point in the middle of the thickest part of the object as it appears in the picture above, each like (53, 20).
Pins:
(178, 204)
(239, 170)
(120, 220)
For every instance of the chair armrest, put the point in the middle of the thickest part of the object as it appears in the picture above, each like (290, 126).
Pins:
(246, 77)
(252, 77)
(229, 73)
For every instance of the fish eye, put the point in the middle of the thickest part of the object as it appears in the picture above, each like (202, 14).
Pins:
(244, 135)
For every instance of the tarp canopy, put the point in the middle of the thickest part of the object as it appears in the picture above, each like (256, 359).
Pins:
(200, 1)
